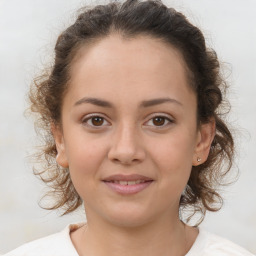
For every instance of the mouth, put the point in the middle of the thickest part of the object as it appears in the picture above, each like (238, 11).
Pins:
(127, 184)
(127, 178)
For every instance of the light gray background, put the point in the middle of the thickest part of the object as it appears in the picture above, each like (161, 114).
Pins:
(28, 30)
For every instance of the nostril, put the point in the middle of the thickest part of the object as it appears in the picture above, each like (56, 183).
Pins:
(126, 161)
(126, 154)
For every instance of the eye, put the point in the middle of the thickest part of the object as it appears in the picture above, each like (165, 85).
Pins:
(160, 121)
(95, 121)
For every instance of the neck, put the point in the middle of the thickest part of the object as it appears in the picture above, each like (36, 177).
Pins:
(155, 238)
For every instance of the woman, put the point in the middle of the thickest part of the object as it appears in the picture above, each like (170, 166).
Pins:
(133, 128)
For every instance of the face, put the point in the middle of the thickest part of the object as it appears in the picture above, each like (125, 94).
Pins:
(130, 115)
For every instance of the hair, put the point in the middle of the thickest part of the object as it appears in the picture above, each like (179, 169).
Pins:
(130, 19)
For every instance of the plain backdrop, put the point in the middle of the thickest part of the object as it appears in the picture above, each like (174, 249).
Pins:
(28, 31)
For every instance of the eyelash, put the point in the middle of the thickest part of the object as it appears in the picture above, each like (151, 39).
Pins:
(168, 119)
(84, 121)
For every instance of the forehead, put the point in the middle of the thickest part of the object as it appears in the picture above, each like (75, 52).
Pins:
(143, 65)
(118, 52)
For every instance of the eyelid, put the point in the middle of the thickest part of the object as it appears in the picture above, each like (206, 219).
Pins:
(89, 116)
(163, 115)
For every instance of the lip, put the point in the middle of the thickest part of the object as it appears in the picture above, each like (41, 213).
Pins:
(130, 177)
(127, 189)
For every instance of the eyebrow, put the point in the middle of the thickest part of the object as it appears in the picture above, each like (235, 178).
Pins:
(146, 103)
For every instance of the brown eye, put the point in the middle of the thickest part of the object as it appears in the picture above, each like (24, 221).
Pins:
(159, 121)
(97, 121)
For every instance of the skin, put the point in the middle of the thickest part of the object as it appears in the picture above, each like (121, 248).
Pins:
(128, 140)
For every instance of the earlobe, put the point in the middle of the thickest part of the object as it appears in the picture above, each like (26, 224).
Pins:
(61, 158)
(206, 135)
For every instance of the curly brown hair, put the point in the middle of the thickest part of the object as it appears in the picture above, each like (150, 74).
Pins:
(129, 19)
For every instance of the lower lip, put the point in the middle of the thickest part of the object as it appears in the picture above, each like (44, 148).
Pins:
(128, 189)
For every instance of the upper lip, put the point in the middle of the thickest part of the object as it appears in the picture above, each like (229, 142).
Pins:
(131, 177)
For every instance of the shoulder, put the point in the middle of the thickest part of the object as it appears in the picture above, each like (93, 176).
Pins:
(208, 244)
(56, 244)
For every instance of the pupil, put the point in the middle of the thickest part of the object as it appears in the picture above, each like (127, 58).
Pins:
(97, 121)
(158, 121)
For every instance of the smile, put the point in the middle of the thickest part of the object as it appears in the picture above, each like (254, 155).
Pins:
(128, 187)
(123, 182)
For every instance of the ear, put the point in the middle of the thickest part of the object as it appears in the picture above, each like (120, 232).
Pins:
(61, 157)
(205, 137)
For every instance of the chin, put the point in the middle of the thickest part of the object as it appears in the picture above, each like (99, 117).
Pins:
(128, 217)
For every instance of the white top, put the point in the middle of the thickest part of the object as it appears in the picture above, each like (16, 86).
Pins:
(60, 244)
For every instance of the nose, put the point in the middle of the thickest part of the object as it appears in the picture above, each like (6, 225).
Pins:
(126, 146)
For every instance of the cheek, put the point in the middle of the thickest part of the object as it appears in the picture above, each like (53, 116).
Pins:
(174, 155)
(85, 158)
(84, 164)
(176, 147)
